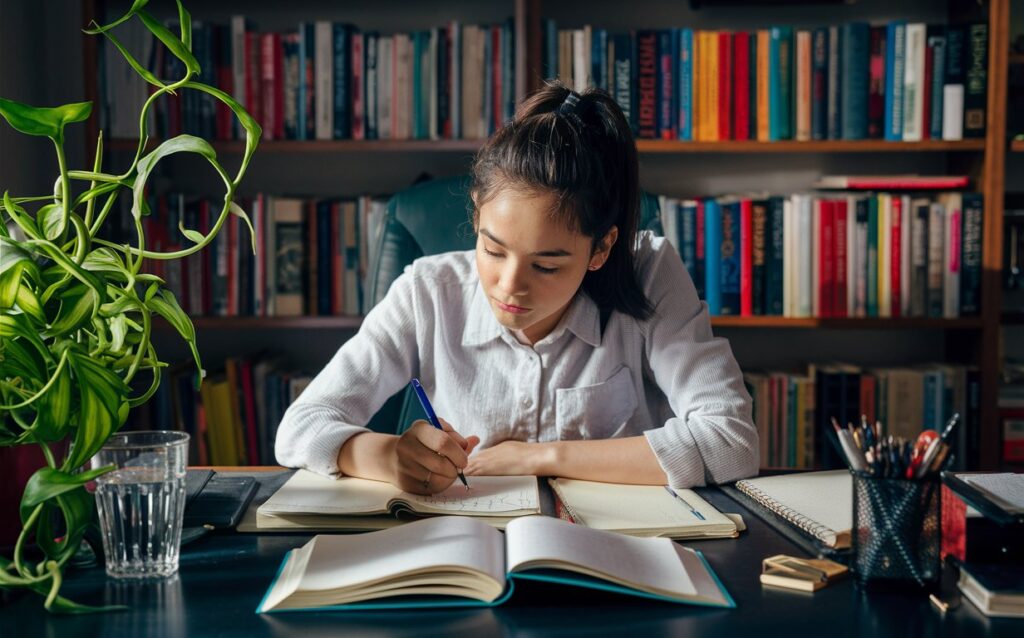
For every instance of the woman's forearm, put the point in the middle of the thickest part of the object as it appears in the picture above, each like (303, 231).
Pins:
(369, 455)
(628, 460)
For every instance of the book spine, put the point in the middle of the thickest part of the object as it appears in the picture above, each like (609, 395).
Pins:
(323, 127)
(894, 71)
(667, 41)
(741, 86)
(951, 258)
(342, 103)
(835, 83)
(840, 274)
(700, 250)
(624, 79)
(780, 81)
(919, 259)
(913, 81)
(759, 223)
(730, 258)
(970, 269)
(647, 82)
(976, 80)
(819, 84)
(937, 46)
(746, 258)
(774, 288)
(685, 84)
(876, 83)
(803, 86)
(854, 91)
(725, 82)
(713, 256)
(953, 89)
(896, 254)
(936, 250)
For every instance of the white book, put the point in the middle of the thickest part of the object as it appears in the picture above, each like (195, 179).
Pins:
(936, 251)
(951, 256)
(456, 558)
(806, 268)
(323, 65)
(579, 62)
(913, 83)
(312, 501)
(953, 112)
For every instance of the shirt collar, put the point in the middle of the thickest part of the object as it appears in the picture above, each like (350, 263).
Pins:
(583, 319)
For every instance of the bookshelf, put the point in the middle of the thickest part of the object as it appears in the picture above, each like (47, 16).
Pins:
(386, 164)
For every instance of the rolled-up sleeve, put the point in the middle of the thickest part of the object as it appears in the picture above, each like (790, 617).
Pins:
(369, 368)
(711, 438)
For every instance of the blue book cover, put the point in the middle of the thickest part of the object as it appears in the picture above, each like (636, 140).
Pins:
(854, 74)
(895, 56)
(599, 58)
(342, 77)
(970, 253)
(775, 248)
(819, 84)
(686, 84)
(550, 57)
(780, 83)
(730, 256)
(713, 256)
(686, 222)
(624, 70)
(936, 49)
(667, 59)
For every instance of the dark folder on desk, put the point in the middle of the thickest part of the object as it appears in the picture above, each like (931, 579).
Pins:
(218, 500)
(814, 510)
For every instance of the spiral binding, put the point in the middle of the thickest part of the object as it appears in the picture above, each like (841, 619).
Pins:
(822, 532)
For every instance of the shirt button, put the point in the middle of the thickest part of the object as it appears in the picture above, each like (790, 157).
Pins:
(527, 402)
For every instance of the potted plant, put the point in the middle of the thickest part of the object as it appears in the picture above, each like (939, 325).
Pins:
(76, 310)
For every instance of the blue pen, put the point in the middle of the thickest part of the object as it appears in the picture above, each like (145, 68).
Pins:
(683, 501)
(431, 417)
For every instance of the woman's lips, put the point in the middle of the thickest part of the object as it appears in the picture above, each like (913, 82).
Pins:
(516, 310)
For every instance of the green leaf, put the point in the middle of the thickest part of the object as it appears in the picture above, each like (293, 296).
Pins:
(179, 144)
(172, 42)
(19, 361)
(75, 310)
(10, 284)
(167, 307)
(194, 235)
(251, 126)
(54, 408)
(43, 121)
(48, 482)
(104, 260)
(185, 20)
(237, 211)
(138, 4)
(101, 395)
(15, 326)
(78, 509)
(118, 329)
(12, 253)
(29, 304)
(132, 62)
(51, 220)
(20, 216)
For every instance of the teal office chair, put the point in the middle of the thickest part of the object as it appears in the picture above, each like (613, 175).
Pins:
(427, 219)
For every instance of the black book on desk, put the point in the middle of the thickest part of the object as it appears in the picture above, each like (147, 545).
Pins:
(216, 500)
(996, 590)
(996, 533)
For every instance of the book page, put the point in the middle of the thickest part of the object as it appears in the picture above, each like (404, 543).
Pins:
(309, 493)
(814, 498)
(346, 561)
(651, 564)
(488, 494)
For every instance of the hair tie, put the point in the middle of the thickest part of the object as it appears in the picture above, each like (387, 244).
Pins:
(568, 106)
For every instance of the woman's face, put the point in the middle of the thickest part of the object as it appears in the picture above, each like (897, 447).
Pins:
(531, 265)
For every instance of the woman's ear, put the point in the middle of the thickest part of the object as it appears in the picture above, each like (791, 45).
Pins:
(604, 248)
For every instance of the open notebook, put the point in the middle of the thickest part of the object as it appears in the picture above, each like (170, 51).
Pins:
(459, 561)
(819, 503)
(641, 510)
(310, 501)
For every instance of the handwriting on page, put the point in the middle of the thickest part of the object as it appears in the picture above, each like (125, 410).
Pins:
(488, 494)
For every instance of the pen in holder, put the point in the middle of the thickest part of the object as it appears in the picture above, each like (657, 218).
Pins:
(896, 531)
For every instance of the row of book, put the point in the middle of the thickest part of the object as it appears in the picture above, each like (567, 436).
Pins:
(793, 411)
(843, 254)
(325, 80)
(894, 81)
(303, 256)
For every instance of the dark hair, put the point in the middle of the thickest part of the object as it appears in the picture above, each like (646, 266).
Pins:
(582, 151)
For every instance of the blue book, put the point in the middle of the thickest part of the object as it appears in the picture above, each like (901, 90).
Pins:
(819, 84)
(895, 57)
(970, 253)
(780, 83)
(936, 49)
(550, 57)
(854, 91)
(775, 256)
(624, 90)
(342, 78)
(713, 256)
(379, 568)
(666, 61)
(599, 58)
(686, 84)
(686, 214)
(730, 256)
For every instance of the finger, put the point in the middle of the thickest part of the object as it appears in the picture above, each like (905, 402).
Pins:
(452, 433)
(442, 443)
(472, 442)
(438, 462)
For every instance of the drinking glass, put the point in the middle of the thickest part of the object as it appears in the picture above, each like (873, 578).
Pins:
(141, 502)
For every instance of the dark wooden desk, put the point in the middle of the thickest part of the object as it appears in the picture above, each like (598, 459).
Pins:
(224, 575)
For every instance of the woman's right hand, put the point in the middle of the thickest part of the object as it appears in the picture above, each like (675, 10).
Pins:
(428, 460)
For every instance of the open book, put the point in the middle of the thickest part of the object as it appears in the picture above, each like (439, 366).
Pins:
(459, 561)
(818, 503)
(641, 510)
(310, 501)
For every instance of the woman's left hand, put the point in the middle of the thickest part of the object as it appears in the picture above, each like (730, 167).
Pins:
(506, 459)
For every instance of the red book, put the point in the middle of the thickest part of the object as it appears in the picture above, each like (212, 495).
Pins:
(876, 83)
(896, 254)
(206, 276)
(647, 84)
(254, 71)
(746, 258)
(267, 84)
(893, 182)
(839, 306)
(868, 386)
(725, 79)
(826, 257)
(356, 88)
(249, 401)
(232, 252)
(277, 88)
(741, 85)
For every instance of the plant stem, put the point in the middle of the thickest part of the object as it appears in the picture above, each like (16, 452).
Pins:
(65, 185)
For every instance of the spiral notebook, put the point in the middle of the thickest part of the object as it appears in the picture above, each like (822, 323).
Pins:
(818, 503)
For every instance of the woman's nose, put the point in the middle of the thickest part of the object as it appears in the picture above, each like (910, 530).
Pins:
(512, 281)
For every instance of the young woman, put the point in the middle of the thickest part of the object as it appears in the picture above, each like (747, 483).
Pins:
(567, 344)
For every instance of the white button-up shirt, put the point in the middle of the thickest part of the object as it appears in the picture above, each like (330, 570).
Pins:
(667, 377)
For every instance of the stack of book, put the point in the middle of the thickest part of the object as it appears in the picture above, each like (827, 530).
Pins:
(897, 81)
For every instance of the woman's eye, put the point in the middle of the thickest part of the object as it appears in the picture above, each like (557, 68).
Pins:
(491, 253)
(546, 271)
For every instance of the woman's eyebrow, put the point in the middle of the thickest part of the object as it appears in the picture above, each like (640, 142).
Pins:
(558, 252)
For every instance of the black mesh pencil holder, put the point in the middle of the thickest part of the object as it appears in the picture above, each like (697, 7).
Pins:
(896, 531)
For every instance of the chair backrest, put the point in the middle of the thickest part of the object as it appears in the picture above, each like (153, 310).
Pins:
(427, 219)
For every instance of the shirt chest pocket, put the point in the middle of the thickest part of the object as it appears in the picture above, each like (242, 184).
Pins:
(597, 411)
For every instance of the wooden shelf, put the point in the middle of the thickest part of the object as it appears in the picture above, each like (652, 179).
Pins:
(644, 146)
(348, 322)
(1017, 146)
